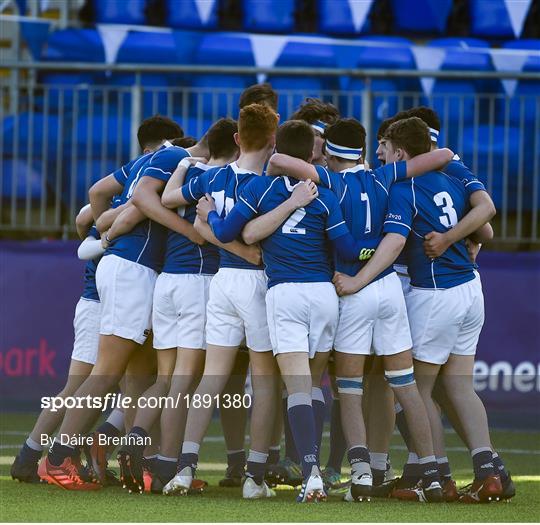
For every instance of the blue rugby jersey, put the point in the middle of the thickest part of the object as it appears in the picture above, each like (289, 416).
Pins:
(182, 255)
(90, 288)
(363, 198)
(433, 202)
(455, 168)
(299, 250)
(145, 243)
(225, 185)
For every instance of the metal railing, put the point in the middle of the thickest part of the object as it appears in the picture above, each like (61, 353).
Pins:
(58, 138)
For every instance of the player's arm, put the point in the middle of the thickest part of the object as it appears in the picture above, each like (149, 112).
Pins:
(101, 193)
(172, 196)
(264, 225)
(90, 248)
(431, 161)
(281, 164)
(84, 221)
(384, 256)
(124, 223)
(147, 198)
(251, 254)
(106, 219)
(474, 223)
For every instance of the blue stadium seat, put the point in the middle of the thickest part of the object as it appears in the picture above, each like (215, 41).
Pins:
(269, 16)
(337, 17)
(17, 173)
(72, 45)
(488, 146)
(17, 128)
(219, 94)
(526, 91)
(491, 19)
(462, 107)
(421, 16)
(196, 14)
(303, 54)
(120, 11)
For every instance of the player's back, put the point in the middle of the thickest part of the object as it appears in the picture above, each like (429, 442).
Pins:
(439, 202)
(183, 255)
(225, 185)
(144, 243)
(298, 251)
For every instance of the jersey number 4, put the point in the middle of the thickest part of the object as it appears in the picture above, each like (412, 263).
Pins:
(444, 201)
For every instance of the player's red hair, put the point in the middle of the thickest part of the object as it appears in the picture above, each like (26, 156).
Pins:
(257, 126)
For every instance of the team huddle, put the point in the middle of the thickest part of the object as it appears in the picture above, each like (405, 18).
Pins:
(276, 251)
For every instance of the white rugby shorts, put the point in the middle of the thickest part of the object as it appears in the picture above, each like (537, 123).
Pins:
(126, 289)
(179, 310)
(374, 320)
(302, 317)
(86, 326)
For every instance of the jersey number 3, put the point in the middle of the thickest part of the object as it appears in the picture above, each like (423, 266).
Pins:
(445, 202)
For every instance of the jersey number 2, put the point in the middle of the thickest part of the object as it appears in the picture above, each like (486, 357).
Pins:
(292, 222)
(444, 201)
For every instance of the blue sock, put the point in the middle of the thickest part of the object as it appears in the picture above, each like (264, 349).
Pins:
(256, 466)
(28, 454)
(189, 456)
(429, 470)
(499, 467)
(109, 430)
(302, 421)
(273, 456)
(411, 470)
(482, 463)
(165, 468)
(444, 468)
(319, 411)
(141, 433)
(358, 454)
(236, 459)
(338, 445)
(58, 453)
(290, 447)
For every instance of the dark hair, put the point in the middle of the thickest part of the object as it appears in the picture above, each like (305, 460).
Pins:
(259, 94)
(221, 138)
(410, 134)
(313, 109)
(347, 132)
(428, 115)
(295, 138)
(184, 142)
(156, 129)
(383, 127)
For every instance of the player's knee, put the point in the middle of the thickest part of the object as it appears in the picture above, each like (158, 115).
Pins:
(400, 378)
(350, 385)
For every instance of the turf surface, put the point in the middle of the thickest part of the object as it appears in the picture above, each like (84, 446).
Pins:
(37, 503)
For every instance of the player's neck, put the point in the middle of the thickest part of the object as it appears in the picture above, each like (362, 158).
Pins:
(253, 160)
(220, 161)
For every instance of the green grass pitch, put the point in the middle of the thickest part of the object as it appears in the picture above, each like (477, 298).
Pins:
(38, 503)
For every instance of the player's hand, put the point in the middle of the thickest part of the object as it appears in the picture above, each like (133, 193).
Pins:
(105, 243)
(345, 284)
(205, 206)
(253, 254)
(304, 193)
(473, 248)
(435, 244)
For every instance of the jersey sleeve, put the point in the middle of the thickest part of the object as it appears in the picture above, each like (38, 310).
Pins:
(249, 200)
(335, 225)
(121, 175)
(458, 170)
(333, 181)
(164, 162)
(390, 173)
(195, 188)
(401, 212)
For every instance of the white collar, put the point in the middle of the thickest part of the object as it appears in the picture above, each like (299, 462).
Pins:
(204, 166)
(237, 169)
(358, 167)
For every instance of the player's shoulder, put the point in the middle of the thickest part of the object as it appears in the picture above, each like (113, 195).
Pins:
(169, 153)
(326, 199)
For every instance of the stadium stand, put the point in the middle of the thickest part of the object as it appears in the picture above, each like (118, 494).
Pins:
(343, 17)
(426, 17)
(192, 14)
(266, 16)
(120, 11)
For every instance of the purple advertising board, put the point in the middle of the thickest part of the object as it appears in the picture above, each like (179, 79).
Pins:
(41, 282)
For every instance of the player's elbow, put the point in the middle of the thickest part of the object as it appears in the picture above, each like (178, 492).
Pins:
(248, 236)
(166, 200)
